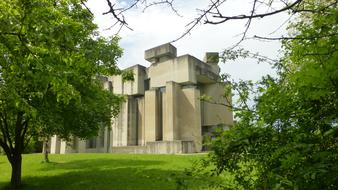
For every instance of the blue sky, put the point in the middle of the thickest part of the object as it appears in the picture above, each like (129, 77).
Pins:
(158, 25)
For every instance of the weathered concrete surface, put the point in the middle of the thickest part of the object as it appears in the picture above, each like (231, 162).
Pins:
(158, 147)
(162, 112)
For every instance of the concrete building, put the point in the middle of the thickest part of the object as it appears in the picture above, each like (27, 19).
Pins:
(163, 112)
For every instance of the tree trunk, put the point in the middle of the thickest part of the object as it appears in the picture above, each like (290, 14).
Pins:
(45, 150)
(16, 163)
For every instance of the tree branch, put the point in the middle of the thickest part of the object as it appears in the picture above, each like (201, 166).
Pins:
(84, 4)
(165, 2)
(294, 38)
(25, 128)
(5, 131)
(247, 25)
(214, 12)
(10, 33)
(251, 16)
(7, 150)
(191, 25)
(18, 130)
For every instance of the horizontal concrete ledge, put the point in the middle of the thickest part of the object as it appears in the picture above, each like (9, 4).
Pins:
(158, 147)
(166, 50)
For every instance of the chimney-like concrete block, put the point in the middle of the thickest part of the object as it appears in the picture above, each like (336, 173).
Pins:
(211, 57)
(160, 53)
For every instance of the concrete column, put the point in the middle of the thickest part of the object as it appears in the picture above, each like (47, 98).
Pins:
(120, 127)
(132, 121)
(111, 136)
(63, 147)
(124, 125)
(81, 146)
(141, 120)
(55, 145)
(105, 140)
(190, 117)
(150, 115)
(170, 127)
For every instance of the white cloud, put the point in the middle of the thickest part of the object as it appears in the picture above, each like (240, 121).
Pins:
(160, 25)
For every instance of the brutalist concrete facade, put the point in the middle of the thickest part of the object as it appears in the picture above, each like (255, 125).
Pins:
(163, 112)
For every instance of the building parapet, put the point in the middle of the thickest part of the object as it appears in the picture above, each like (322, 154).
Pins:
(160, 53)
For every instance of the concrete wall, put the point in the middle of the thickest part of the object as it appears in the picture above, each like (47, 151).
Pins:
(189, 116)
(167, 115)
(81, 146)
(135, 87)
(177, 70)
(214, 114)
(77, 145)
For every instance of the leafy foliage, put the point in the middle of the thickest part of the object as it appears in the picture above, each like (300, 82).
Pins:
(290, 139)
(52, 61)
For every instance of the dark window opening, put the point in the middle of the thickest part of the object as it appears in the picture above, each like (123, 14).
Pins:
(146, 84)
(91, 143)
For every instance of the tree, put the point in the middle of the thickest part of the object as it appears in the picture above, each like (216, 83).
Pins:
(52, 61)
(290, 138)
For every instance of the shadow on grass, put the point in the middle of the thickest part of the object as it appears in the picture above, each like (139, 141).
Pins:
(99, 163)
(104, 174)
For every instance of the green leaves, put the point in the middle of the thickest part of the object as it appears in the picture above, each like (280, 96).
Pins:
(288, 140)
(50, 57)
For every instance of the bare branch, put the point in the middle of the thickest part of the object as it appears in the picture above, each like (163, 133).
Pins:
(212, 15)
(132, 5)
(163, 2)
(228, 105)
(84, 4)
(251, 16)
(118, 13)
(280, 26)
(191, 25)
(247, 25)
(293, 38)
(114, 11)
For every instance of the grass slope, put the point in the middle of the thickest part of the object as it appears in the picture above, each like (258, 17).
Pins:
(101, 171)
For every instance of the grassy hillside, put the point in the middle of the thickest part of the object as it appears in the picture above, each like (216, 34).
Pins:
(101, 171)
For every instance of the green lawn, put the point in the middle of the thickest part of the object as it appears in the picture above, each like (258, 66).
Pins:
(102, 171)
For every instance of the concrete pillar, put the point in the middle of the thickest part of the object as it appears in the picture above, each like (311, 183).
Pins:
(55, 145)
(150, 115)
(141, 120)
(120, 127)
(63, 147)
(132, 121)
(81, 146)
(105, 140)
(190, 117)
(170, 127)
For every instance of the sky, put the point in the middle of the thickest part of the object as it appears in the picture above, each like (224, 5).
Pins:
(159, 24)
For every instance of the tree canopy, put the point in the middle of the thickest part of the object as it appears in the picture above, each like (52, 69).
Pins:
(289, 140)
(52, 63)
